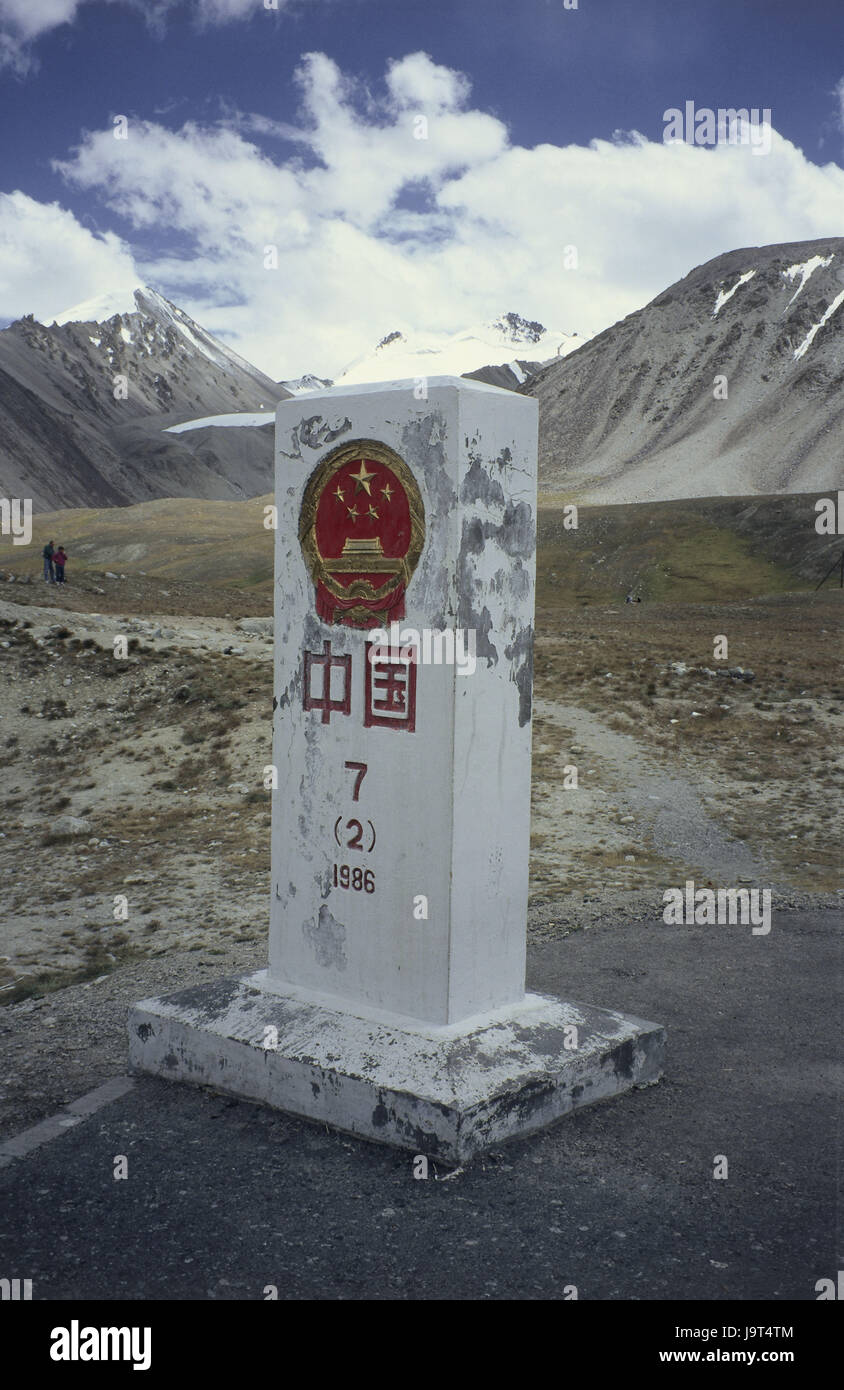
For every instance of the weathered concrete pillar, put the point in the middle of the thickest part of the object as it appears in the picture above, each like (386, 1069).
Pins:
(402, 820)
(394, 1005)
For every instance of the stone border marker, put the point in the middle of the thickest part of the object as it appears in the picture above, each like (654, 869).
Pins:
(393, 1005)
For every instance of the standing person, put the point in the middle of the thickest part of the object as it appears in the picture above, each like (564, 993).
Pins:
(59, 562)
(48, 553)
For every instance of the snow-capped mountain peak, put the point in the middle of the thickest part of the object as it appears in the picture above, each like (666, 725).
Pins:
(514, 329)
(84, 404)
(482, 347)
(146, 317)
(308, 382)
(103, 307)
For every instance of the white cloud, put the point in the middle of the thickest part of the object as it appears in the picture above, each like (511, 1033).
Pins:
(22, 22)
(417, 81)
(48, 260)
(224, 11)
(29, 18)
(366, 163)
(377, 230)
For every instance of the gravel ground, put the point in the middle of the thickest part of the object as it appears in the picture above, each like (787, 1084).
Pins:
(619, 1200)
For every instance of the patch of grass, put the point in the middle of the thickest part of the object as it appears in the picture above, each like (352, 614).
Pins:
(701, 550)
(49, 981)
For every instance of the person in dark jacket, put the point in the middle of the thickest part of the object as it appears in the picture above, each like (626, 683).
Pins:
(59, 562)
(48, 553)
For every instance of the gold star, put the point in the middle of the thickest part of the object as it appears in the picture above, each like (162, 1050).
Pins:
(362, 479)
(372, 512)
(338, 492)
(353, 513)
(387, 491)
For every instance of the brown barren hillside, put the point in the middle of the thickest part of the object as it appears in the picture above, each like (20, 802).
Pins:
(729, 383)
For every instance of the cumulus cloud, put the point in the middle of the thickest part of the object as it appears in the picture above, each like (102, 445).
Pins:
(48, 260)
(306, 248)
(418, 81)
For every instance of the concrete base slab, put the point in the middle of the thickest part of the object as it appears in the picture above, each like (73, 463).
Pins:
(447, 1092)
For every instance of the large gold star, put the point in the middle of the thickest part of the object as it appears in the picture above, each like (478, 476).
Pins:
(362, 479)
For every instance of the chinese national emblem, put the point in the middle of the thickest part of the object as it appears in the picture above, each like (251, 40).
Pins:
(361, 529)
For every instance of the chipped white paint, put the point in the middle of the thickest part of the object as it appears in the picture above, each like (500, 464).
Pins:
(447, 805)
(448, 1093)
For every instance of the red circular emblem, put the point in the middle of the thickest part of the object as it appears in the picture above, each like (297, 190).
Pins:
(362, 527)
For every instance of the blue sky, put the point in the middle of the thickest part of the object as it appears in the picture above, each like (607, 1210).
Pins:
(239, 141)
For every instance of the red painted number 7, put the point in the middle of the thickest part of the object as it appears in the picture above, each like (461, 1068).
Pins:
(361, 770)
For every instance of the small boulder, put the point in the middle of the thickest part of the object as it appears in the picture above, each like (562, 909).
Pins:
(70, 825)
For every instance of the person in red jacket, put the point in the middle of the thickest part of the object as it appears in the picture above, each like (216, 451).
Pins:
(59, 562)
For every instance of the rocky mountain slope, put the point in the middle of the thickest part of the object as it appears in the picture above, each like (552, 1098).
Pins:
(728, 383)
(83, 407)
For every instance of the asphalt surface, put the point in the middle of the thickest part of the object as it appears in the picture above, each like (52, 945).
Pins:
(224, 1198)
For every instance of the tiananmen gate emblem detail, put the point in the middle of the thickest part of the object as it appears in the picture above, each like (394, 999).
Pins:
(361, 529)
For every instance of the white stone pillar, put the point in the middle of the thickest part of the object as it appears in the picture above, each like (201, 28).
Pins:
(394, 1005)
(401, 823)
